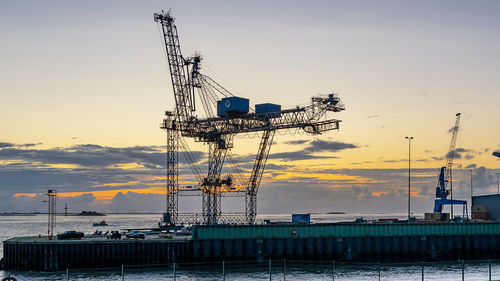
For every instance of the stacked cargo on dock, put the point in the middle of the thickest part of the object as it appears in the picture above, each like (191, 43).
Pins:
(481, 213)
(436, 217)
(486, 207)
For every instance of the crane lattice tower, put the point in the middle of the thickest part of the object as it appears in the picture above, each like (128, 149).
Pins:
(51, 194)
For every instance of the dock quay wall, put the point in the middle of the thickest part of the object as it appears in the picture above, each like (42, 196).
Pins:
(291, 242)
(77, 254)
(353, 249)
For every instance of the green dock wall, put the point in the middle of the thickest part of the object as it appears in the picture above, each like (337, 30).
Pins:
(343, 230)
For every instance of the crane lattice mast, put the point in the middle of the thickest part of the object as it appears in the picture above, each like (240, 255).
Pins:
(222, 121)
(451, 152)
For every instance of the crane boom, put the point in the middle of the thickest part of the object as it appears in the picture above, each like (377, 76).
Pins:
(183, 98)
(451, 152)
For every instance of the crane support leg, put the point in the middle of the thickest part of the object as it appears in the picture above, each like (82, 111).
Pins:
(211, 203)
(256, 176)
(171, 211)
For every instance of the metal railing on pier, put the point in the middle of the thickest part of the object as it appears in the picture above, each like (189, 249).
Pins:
(286, 270)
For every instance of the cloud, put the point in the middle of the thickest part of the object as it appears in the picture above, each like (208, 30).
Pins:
(24, 204)
(284, 187)
(274, 167)
(424, 191)
(310, 190)
(328, 146)
(314, 147)
(295, 197)
(458, 153)
(121, 202)
(307, 153)
(6, 144)
(483, 179)
(297, 156)
(91, 167)
(471, 166)
(137, 202)
(296, 142)
(91, 155)
(31, 144)
(36, 179)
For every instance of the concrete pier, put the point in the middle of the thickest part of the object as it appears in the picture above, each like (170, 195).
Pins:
(56, 255)
(22, 254)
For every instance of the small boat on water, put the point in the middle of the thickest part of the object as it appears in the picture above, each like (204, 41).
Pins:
(101, 223)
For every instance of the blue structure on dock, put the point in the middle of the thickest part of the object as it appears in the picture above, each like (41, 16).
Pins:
(445, 177)
(442, 193)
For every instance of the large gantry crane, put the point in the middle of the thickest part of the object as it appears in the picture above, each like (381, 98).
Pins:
(225, 115)
(445, 177)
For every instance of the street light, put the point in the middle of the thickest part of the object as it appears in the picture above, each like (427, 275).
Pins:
(471, 193)
(409, 173)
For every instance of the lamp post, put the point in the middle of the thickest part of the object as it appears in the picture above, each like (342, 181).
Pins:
(471, 193)
(409, 173)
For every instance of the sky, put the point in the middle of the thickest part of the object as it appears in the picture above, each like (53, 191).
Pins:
(84, 86)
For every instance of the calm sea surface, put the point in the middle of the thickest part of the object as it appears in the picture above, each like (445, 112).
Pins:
(13, 226)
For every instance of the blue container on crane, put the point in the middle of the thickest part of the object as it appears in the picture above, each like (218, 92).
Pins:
(274, 110)
(232, 106)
